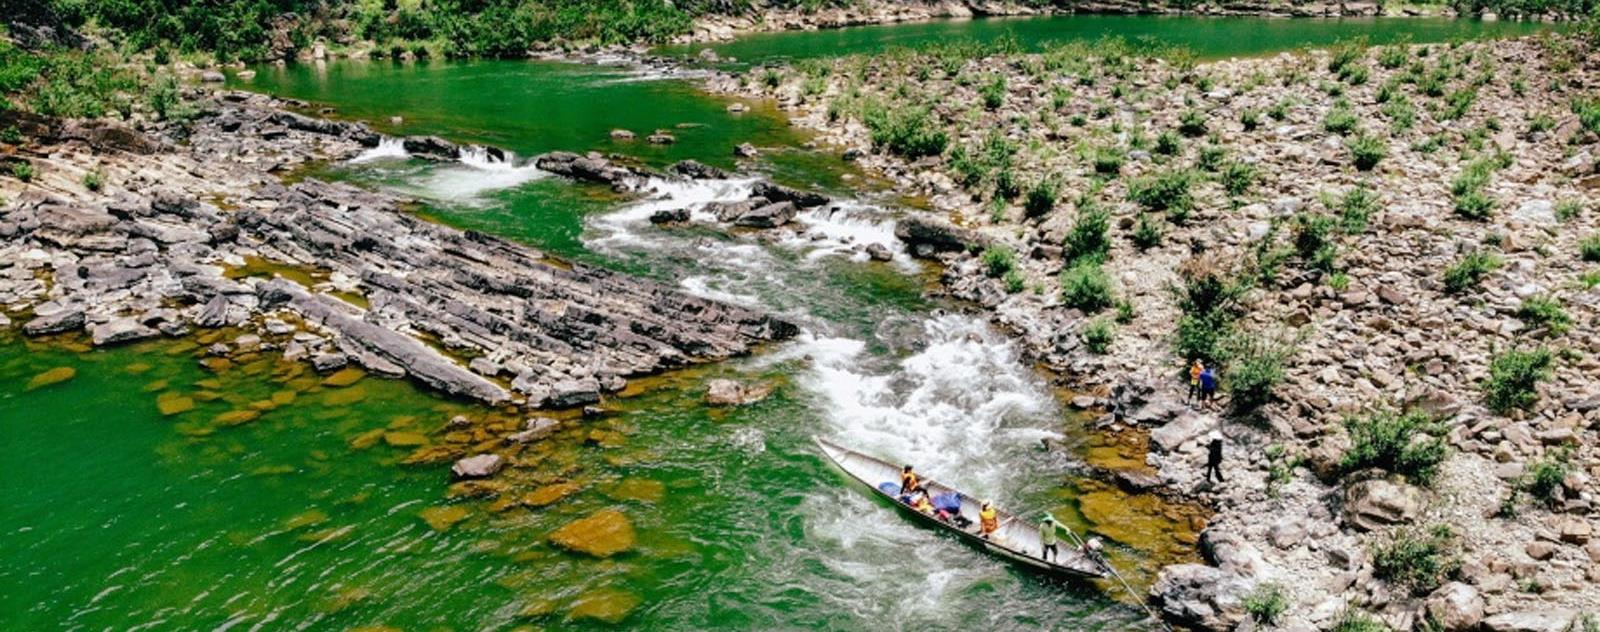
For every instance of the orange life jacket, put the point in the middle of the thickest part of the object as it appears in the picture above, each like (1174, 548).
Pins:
(908, 481)
(989, 519)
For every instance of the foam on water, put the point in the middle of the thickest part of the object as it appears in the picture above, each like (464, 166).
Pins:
(388, 148)
(477, 172)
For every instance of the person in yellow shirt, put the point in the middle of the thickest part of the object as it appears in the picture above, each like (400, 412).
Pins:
(988, 520)
(1194, 379)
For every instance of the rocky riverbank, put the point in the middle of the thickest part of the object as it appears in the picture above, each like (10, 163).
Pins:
(131, 234)
(1395, 229)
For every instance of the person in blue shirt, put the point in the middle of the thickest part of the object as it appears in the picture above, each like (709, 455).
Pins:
(1208, 385)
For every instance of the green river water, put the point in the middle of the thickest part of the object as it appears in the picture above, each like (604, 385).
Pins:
(119, 516)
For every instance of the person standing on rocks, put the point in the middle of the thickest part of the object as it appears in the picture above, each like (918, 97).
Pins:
(1208, 386)
(1214, 458)
(1194, 379)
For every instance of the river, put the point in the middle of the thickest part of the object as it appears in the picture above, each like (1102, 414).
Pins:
(120, 516)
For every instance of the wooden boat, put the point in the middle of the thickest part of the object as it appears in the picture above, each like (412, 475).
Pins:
(1016, 539)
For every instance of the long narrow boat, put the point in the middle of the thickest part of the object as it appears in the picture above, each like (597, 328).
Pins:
(1016, 540)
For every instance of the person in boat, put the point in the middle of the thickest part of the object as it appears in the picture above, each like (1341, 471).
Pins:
(988, 520)
(908, 483)
(922, 502)
(947, 507)
(1047, 539)
(1092, 547)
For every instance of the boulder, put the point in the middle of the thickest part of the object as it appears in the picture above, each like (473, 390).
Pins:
(65, 320)
(1375, 503)
(661, 138)
(535, 429)
(723, 392)
(879, 252)
(769, 216)
(603, 533)
(730, 211)
(778, 193)
(1200, 596)
(673, 216)
(745, 150)
(1544, 620)
(589, 168)
(574, 392)
(622, 134)
(1456, 607)
(119, 331)
(929, 235)
(696, 170)
(1176, 433)
(478, 466)
(329, 362)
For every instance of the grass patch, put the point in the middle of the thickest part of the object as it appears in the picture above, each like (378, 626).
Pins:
(1416, 560)
(1514, 378)
(1086, 286)
(1469, 271)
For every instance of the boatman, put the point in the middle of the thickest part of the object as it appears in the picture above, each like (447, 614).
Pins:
(908, 483)
(1047, 538)
(988, 520)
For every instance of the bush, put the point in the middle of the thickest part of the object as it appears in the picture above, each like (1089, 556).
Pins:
(998, 260)
(1410, 444)
(1013, 281)
(1237, 177)
(1250, 119)
(1168, 144)
(22, 170)
(1366, 150)
(1475, 205)
(1311, 241)
(1266, 603)
(1545, 312)
(994, 93)
(1098, 334)
(1469, 271)
(1041, 198)
(908, 132)
(1192, 123)
(1340, 120)
(1514, 378)
(1568, 210)
(1211, 158)
(1356, 208)
(1588, 111)
(1086, 286)
(1357, 621)
(1420, 562)
(1108, 160)
(1146, 234)
(1548, 475)
(1168, 191)
(1087, 240)
(1255, 367)
(92, 180)
(1589, 248)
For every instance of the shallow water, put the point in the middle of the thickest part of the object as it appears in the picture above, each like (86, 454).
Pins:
(306, 516)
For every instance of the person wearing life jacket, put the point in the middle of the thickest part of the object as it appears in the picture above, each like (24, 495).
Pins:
(922, 503)
(908, 482)
(988, 520)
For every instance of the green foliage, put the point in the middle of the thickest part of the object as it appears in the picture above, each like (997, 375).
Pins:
(1211, 157)
(1346, 53)
(1013, 281)
(994, 92)
(1356, 209)
(1041, 198)
(22, 170)
(1475, 204)
(1366, 150)
(1568, 210)
(1395, 56)
(1250, 118)
(1266, 603)
(908, 132)
(1192, 123)
(1167, 191)
(1545, 312)
(1108, 160)
(1547, 475)
(1279, 110)
(1146, 233)
(1357, 621)
(1339, 120)
(1168, 144)
(1086, 286)
(1410, 444)
(1588, 111)
(1280, 469)
(1514, 378)
(1311, 241)
(771, 77)
(998, 260)
(1457, 104)
(93, 180)
(1417, 561)
(1589, 248)
(1237, 177)
(1098, 335)
(1087, 240)
(1470, 271)
(1210, 297)
(1255, 367)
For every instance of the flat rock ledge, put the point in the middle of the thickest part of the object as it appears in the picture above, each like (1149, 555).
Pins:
(205, 234)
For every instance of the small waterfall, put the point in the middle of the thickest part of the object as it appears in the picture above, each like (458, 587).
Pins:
(486, 159)
(387, 148)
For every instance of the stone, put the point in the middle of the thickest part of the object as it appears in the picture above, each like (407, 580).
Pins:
(174, 403)
(1200, 596)
(673, 216)
(212, 76)
(405, 439)
(65, 320)
(768, 216)
(1576, 530)
(1375, 503)
(329, 362)
(936, 234)
(778, 193)
(622, 134)
(1286, 533)
(119, 331)
(602, 534)
(745, 150)
(606, 605)
(442, 518)
(696, 170)
(1180, 431)
(344, 377)
(478, 466)
(724, 392)
(1543, 620)
(1540, 550)
(236, 417)
(549, 494)
(879, 252)
(661, 138)
(1456, 607)
(53, 376)
(535, 429)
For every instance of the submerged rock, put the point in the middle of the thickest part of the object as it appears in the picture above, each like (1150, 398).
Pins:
(607, 605)
(603, 533)
(549, 494)
(65, 320)
(443, 518)
(174, 403)
(723, 392)
(768, 216)
(53, 376)
(479, 466)
(535, 429)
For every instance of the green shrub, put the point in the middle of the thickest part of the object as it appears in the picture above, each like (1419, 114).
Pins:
(1402, 115)
(1410, 444)
(92, 180)
(1086, 286)
(1356, 209)
(1514, 377)
(1146, 233)
(1211, 158)
(1589, 248)
(1087, 240)
(1545, 312)
(1417, 561)
(998, 260)
(1345, 53)
(771, 77)
(1457, 104)
(1475, 205)
(1469, 271)
(908, 132)
(1568, 210)
(1006, 184)
(1392, 57)
(1167, 191)
(1366, 150)
(1548, 475)
(994, 93)
(1168, 144)
(1255, 367)
(1279, 110)
(1192, 123)
(1266, 603)
(1098, 334)
(1237, 177)
(1250, 119)
(1013, 281)
(1357, 621)
(1108, 160)
(1588, 111)
(1311, 241)
(1339, 120)
(1041, 198)
(22, 170)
